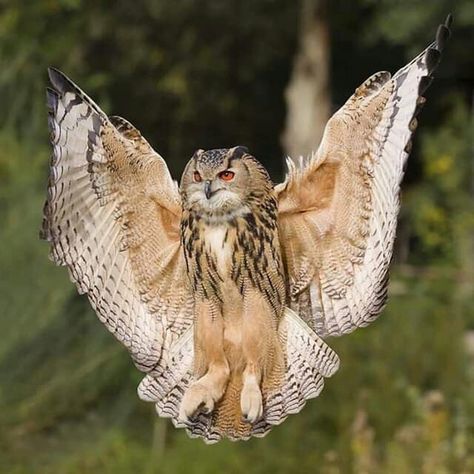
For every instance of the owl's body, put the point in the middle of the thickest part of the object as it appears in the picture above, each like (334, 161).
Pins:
(235, 270)
(223, 288)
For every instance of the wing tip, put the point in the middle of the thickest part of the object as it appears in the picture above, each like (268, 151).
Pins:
(433, 54)
(60, 82)
(449, 20)
(444, 32)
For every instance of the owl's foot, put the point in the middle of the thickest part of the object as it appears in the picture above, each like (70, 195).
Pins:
(201, 396)
(251, 400)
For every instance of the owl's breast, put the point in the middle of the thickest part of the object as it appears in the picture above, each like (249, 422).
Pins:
(225, 259)
(208, 251)
(218, 247)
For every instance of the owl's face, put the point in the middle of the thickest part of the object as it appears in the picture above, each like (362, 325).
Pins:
(218, 182)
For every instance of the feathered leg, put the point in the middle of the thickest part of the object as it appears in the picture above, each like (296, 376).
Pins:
(262, 353)
(211, 366)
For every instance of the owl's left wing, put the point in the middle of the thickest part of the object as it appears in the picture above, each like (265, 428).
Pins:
(338, 210)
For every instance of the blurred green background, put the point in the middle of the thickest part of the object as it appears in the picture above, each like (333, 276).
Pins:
(205, 74)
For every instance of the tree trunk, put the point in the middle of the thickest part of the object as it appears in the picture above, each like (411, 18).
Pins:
(307, 94)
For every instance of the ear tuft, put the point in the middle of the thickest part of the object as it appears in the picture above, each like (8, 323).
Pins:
(238, 151)
(198, 153)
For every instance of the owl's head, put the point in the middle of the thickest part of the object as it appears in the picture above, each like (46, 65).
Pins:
(223, 181)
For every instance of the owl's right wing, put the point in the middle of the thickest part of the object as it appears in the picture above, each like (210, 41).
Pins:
(112, 217)
(338, 210)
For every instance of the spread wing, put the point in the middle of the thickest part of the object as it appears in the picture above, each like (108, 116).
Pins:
(112, 217)
(338, 210)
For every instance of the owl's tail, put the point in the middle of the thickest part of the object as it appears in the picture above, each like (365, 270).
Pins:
(308, 361)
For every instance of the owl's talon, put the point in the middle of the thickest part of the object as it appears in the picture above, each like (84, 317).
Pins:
(199, 398)
(251, 402)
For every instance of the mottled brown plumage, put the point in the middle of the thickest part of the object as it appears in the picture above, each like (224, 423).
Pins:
(251, 235)
(232, 253)
(222, 288)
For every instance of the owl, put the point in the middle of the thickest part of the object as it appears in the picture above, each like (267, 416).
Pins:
(224, 287)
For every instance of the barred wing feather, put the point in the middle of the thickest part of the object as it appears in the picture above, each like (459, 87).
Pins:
(112, 217)
(338, 210)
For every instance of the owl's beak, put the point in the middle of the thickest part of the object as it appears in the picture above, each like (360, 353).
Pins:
(207, 189)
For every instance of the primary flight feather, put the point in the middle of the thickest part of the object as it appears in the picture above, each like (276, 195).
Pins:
(223, 287)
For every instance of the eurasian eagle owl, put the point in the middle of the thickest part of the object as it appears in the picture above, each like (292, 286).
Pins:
(222, 289)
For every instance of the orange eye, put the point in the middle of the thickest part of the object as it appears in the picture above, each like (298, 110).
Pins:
(227, 175)
(197, 177)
